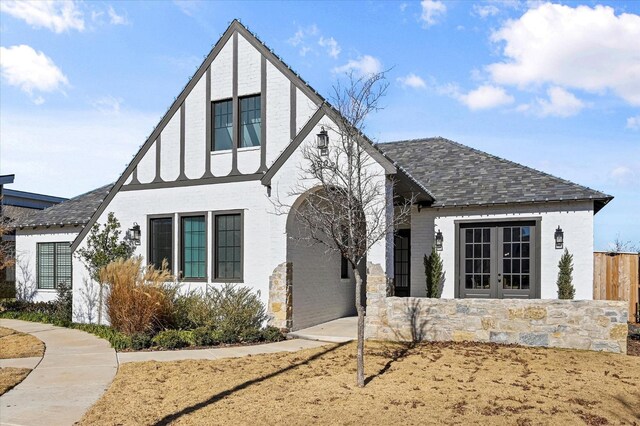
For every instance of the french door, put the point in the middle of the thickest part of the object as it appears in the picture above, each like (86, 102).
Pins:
(402, 265)
(498, 260)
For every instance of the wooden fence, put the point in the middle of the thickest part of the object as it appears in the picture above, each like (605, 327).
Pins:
(616, 276)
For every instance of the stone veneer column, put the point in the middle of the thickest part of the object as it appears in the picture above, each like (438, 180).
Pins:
(378, 288)
(280, 306)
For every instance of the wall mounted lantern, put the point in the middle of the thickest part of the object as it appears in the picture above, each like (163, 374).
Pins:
(439, 240)
(323, 142)
(559, 237)
(133, 234)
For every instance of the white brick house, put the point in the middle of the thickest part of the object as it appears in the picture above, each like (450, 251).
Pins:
(201, 190)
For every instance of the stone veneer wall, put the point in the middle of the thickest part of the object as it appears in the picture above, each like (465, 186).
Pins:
(279, 308)
(597, 325)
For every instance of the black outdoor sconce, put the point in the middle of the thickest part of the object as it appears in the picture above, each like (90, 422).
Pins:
(439, 239)
(134, 233)
(323, 142)
(559, 237)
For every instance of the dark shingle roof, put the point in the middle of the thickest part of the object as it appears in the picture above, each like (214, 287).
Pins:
(76, 211)
(458, 175)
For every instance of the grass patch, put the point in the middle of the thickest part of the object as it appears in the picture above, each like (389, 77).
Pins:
(448, 383)
(10, 377)
(14, 344)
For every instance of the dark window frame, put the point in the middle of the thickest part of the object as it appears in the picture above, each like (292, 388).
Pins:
(55, 264)
(151, 218)
(240, 99)
(214, 263)
(213, 124)
(181, 247)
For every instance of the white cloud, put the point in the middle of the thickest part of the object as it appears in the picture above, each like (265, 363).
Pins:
(413, 81)
(432, 10)
(486, 10)
(364, 65)
(188, 7)
(561, 103)
(584, 48)
(333, 48)
(301, 40)
(116, 19)
(633, 123)
(108, 104)
(484, 97)
(623, 174)
(58, 16)
(30, 70)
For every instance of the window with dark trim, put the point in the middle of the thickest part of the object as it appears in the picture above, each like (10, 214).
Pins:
(222, 125)
(193, 246)
(161, 241)
(53, 264)
(228, 247)
(250, 121)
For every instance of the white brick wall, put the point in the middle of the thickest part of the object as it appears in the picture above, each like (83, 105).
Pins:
(195, 143)
(575, 219)
(26, 252)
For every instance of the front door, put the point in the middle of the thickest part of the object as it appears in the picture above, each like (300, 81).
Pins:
(401, 266)
(497, 260)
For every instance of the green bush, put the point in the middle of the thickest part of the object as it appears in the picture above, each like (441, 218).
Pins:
(236, 309)
(225, 336)
(64, 302)
(141, 341)
(204, 336)
(173, 339)
(119, 341)
(272, 334)
(250, 335)
(192, 310)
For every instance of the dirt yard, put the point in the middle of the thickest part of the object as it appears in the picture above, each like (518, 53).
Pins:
(432, 383)
(14, 344)
(10, 377)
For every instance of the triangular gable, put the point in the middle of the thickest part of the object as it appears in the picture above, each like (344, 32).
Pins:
(279, 64)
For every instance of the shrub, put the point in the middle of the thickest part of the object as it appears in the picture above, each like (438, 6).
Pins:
(204, 336)
(433, 271)
(141, 341)
(173, 339)
(64, 302)
(192, 310)
(250, 335)
(224, 336)
(235, 310)
(565, 285)
(140, 300)
(272, 334)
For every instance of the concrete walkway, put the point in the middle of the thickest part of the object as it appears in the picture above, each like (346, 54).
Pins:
(217, 353)
(76, 369)
(337, 331)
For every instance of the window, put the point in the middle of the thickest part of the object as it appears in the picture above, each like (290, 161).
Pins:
(193, 247)
(250, 121)
(228, 247)
(161, 241)
(222, 125)
(53, 264)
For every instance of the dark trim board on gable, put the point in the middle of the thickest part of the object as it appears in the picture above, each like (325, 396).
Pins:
(234, 28)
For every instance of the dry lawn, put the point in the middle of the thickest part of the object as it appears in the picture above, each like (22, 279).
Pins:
(448, 383)
(10, 377)
(14, 344)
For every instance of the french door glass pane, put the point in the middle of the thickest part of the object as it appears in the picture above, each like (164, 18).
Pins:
(517, 271)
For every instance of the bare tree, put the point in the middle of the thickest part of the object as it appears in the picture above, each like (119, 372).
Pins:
(345, 206)
(26, 288)
(620, 246)
(90, 296)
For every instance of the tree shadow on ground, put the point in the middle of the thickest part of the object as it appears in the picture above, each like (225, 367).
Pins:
(170, 418)
(417, 324)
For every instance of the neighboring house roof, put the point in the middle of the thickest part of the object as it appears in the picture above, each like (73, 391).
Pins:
(29, 200)
(76, 211)
(458, 175)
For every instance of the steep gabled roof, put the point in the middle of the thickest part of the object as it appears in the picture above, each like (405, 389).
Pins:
(458, 175)
(75, 211)
(275, 60)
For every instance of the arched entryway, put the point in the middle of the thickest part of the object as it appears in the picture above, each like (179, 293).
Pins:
(322, 286)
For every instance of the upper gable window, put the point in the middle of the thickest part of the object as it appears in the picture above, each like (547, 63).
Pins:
(222, 125)
(250, 121)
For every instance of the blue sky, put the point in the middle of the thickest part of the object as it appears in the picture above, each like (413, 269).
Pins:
(552, 86)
